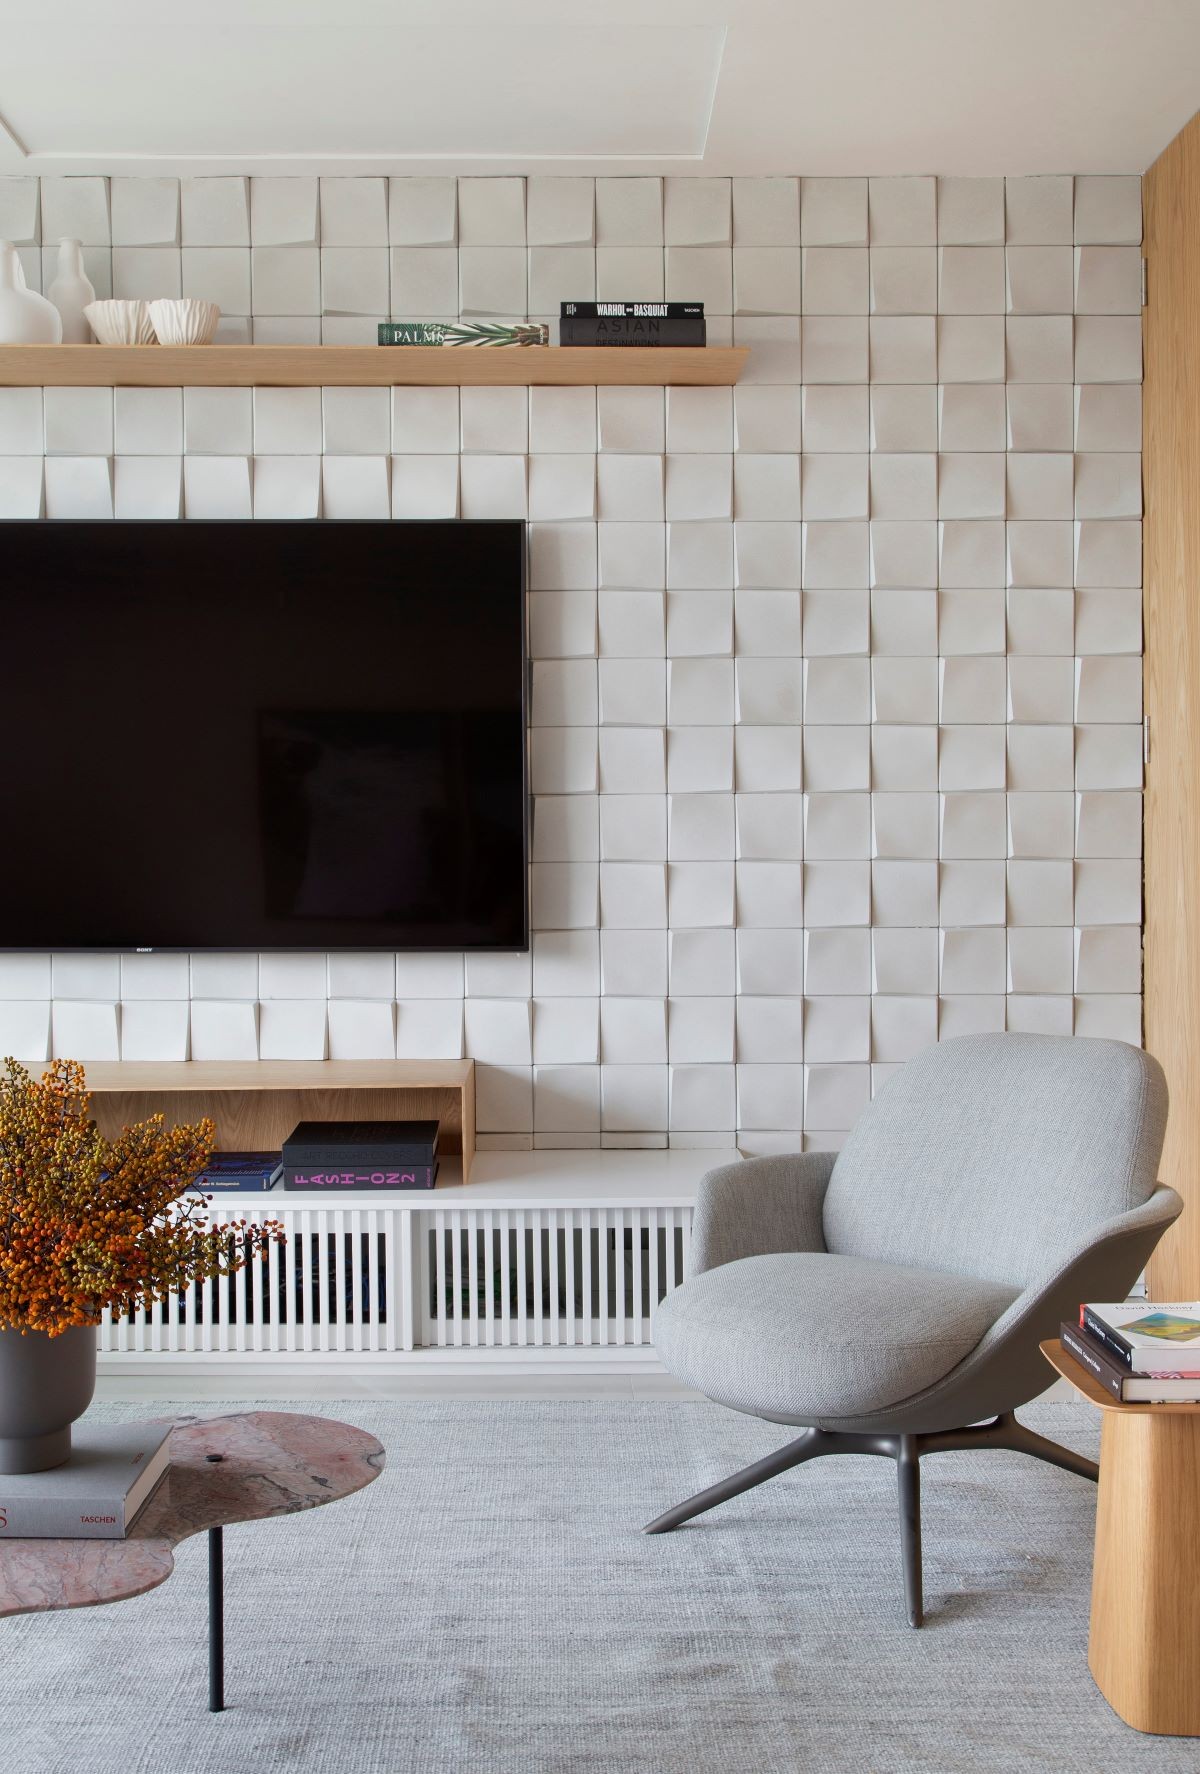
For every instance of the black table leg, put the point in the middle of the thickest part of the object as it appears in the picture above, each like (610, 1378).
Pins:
(216, 1622)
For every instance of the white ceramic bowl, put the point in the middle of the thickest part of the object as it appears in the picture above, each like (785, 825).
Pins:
(189, 322)
(120, 323)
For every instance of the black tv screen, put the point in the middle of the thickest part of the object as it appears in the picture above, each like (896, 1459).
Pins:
(263, 735)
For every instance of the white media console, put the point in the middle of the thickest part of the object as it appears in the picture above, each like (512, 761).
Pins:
(541, 1261)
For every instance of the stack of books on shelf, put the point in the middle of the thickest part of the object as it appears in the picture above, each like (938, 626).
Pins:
(109, 1478)
(631, 323)
(326, 1156)
(1141, 1353)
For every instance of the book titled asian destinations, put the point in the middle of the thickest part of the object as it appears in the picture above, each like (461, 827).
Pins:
(112, 1471)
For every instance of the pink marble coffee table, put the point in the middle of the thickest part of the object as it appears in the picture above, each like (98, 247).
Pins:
(223, 1469)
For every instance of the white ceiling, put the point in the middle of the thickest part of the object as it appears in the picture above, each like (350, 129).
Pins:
(729, 86)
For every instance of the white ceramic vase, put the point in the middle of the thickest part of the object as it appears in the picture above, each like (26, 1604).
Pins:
(25, 318)
(71, 292)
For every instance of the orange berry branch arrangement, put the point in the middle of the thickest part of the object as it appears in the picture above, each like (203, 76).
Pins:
(88, 1223)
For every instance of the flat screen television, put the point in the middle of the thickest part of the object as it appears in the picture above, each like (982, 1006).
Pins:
(263, 736)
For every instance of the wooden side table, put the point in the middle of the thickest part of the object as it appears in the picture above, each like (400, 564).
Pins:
(1144, 1641)
(223, 1469)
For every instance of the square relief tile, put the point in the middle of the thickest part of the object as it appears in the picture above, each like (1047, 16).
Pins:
(1039, 211)
(630, 273)
(493, 281)
(1108, 417)
(423, 211)
(284, 212)
(766, 212)
(698, 212)
(971, 485)
(1108, 280)
(902, 418)
(766, 279)
(561, 211)
(834, 623)
(629, 212)
(145, 212)
(215, 212)
(903, 348)
(837, 280)
(970, 212)
(20, 210)
(491, 212)
(838, 419)
(833, 212)
(76, 209)
(835, 349)
(971, 280)
(1040, 485)
(904, 280)
(1108, 210)
(903, 212)
(424, 282)
(1108, 348)
(970, 348)
(701, 274)
(771, 962)
(1039, 416)
(1040, 280)
(767, 420)
(770, 757)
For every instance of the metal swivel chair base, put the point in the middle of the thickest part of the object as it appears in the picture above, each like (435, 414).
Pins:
(906, 1451)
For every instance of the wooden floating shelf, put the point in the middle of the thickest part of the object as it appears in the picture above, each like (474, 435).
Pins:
(367, 366)
(256, 1103)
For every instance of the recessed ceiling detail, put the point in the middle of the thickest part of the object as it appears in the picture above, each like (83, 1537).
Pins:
(592, 86)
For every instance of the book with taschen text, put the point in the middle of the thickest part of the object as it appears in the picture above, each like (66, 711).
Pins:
(110, 1476)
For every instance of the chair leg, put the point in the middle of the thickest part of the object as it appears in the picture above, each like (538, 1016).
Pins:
(1027, 1441)
(794, 1454)
(908, 1472)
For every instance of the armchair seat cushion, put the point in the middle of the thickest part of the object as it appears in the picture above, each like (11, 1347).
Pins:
(811, 1338)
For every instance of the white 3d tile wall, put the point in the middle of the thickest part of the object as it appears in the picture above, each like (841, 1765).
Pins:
(836, 740)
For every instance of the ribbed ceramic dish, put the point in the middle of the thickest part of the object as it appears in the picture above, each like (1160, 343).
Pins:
(187, 322)
(120, 323)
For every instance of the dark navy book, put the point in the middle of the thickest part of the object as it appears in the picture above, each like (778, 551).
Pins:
(231, 1172)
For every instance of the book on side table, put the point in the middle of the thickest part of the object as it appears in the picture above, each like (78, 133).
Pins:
(1139, 1353)
(96, 1495)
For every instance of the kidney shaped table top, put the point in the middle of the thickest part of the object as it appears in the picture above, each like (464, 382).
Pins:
(242, 1467)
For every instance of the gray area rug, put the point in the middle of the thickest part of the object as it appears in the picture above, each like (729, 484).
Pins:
(489, 1604)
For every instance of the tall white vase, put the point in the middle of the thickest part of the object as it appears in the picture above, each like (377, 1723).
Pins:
(25, 318)
(71, 292)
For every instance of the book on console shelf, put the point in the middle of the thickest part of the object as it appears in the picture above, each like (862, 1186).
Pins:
(632, 330)
(328, 1180)
(1130, 1388)
(361, 1155)
(240, 1172)
(1144, 1338)
(631, 310)
(97, 1495)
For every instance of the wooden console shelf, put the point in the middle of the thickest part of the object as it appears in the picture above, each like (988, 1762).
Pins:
(366, 366)
(256, 1103)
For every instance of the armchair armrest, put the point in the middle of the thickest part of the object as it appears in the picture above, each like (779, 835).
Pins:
(758, 1207)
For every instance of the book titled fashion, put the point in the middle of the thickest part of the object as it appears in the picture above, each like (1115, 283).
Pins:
(97, 1494)
(331, 1179)
(1129, 1387)
(332, 1155)
(244, 1172)
(1147, 1339)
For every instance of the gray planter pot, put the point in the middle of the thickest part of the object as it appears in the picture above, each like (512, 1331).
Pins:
(45, 1383)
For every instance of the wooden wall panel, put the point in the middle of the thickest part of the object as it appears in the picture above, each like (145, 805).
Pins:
(1171, 471)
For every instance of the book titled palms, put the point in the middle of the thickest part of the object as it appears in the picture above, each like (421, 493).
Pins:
(1147, 1339)
(463, 332)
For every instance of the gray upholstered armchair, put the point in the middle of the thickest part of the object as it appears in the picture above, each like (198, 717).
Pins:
(889, 1296)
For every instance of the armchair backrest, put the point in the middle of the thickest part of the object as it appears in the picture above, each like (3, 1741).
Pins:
(996, 1155)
